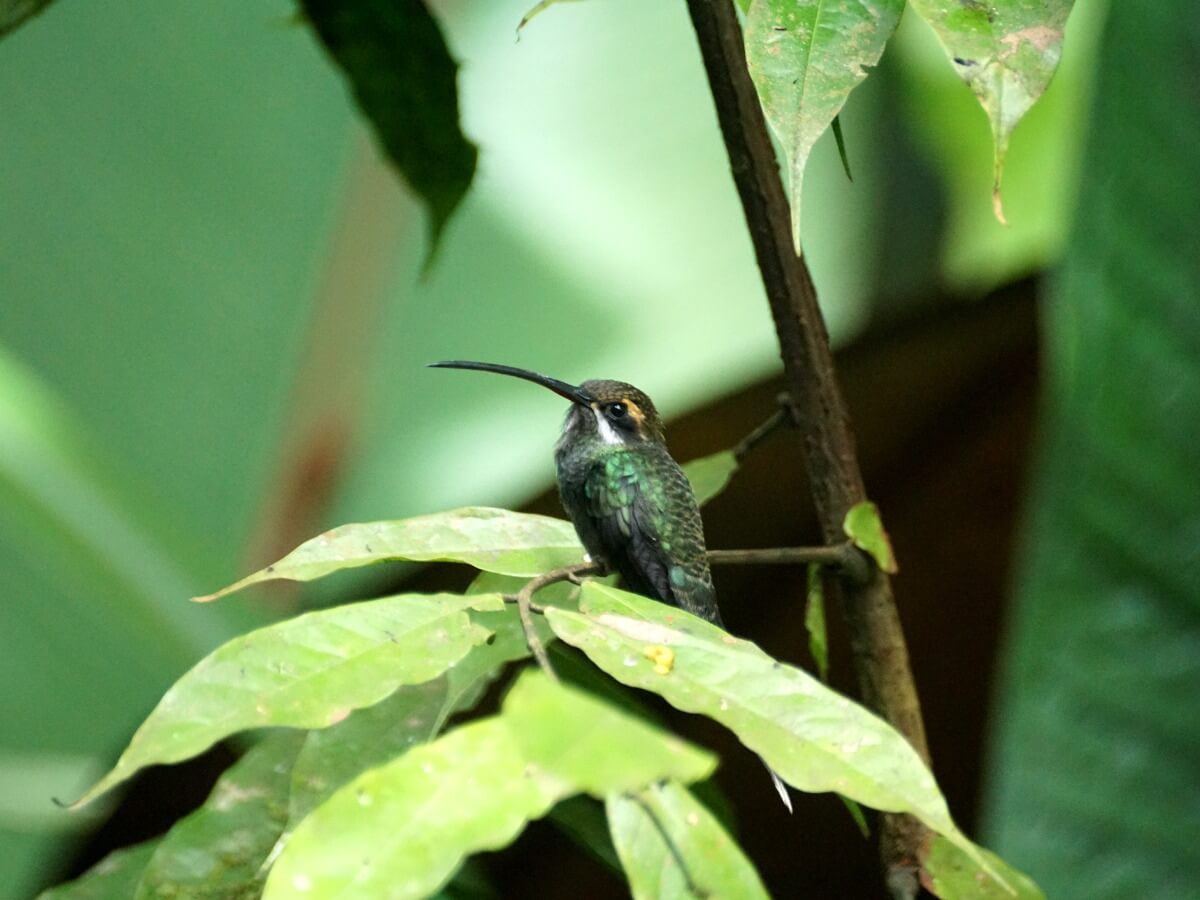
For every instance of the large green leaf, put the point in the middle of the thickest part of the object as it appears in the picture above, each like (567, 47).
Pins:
(495, 540)
(805, 57)
(368, 738)
(405, 81)
(814, 738)
(117, 875)
(412, 715)
(307, 672)
(951, 874)
(641, 825)
(1006, 51)
(218, 851)
(709, 475)
(1095, 789)
(590, 745)
(401, 830)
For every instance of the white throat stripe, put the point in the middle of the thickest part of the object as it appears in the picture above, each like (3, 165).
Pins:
(608, 434)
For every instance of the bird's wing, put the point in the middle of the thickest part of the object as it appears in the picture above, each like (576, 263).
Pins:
(646, 515)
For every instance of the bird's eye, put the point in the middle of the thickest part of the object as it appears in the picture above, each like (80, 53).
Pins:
(617, 410)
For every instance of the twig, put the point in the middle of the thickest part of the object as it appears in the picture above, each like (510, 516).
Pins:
(784, 414)
(880, 652)
(524, 600)
(853, 564)
(838, 555)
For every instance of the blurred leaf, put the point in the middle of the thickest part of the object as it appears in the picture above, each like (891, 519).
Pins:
(1006, 51)
(864, 527)
(805, 57)
(814, 621)
(701, 859)
(14, 12)
(401, 830)
(308, 672)
(115, 876)
(709, 475)
(495, 540)
(405, 82)
(369, 737)
(49, 466)
(1096, 738)
(218, 851)
(952, 875)
(814, 738)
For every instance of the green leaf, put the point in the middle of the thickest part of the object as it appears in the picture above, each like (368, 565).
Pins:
(952, 875)
(218, 850)
(495, 540)
(864, 527)
(671, 846)
(405, 82)
(401, 830)
(591, 745)
(814, 738)
(307, 672)
(814, 621)
(333, 756)
(413, 714)
(117, 875)
(1096, 737)
(710, 474)
(818, 646)
(14, 12)
(805, 57)
(1006, 51)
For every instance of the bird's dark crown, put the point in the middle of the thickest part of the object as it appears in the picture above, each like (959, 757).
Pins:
(628, 410)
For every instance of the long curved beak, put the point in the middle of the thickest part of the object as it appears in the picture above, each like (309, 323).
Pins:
(571, 392)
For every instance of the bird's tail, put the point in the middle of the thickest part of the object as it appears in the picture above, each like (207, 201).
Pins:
(780, 787)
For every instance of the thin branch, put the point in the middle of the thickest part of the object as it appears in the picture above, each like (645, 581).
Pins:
(525, 607)
(785, 414)
(880, 652)
(837, 555)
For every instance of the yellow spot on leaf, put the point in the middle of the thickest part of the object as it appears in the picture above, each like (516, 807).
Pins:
(662, 657)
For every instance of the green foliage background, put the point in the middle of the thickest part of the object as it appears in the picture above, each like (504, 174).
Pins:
(1095, 787)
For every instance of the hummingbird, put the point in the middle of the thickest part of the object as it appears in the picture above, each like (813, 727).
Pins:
(632, 505)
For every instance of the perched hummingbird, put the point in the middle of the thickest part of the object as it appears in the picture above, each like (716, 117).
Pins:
(631, 504)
